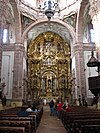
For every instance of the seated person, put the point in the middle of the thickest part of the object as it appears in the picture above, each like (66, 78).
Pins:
(34, 108)
(22, 112)
(29, 109)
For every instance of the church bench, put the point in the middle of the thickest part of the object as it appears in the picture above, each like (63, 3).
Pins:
(90, 128)
(11, 115)
(82, 126)
(82, 109)
(34, 125)
(79, 114)
(75, 119)
(35, 116)
(87, 121)
(15, 117)
(12, 129)
(85, 129)
(17, 123)
(38, 116)
(83, 116)
(86, 126)
(26, 122)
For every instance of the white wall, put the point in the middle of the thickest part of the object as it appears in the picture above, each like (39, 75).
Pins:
(7, 72)
(89, 71)
(74, 69)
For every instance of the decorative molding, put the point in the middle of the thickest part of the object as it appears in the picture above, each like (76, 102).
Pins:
(94, 7)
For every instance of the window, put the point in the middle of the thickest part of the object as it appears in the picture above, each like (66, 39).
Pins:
(91, 32)
(5, 36)
(92, 36)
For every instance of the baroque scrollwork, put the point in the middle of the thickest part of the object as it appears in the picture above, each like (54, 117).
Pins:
(48, 58)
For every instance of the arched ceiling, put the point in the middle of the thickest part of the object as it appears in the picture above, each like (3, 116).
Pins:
(53, 27)
(37, 3)
(65, 9)
(83, 14)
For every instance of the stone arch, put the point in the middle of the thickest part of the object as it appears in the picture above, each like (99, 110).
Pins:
(69, 28)
(79, 25)
(17, 20)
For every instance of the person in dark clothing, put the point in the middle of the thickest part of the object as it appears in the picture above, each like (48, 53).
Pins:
(51, 104)
(95, 101)
(83, 100)
(22, 112)
(4, 100)
(79, 99)
(34, 108)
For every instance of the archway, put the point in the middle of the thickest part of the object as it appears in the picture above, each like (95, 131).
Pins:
(80, 20)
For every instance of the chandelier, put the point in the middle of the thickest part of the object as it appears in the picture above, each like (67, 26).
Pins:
(93, 62)
(49, 8)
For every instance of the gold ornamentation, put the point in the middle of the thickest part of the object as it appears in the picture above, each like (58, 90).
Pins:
(49, 59)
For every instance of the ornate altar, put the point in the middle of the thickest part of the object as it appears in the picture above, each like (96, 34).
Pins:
(48, 66)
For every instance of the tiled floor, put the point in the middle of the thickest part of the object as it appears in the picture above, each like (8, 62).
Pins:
(50, 124)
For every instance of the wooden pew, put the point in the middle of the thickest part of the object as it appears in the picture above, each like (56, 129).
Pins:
(26, 122)
(81, 121)
(10, 129)
(90, 128)
(38, 116)
(84, 124)
(32, 118)
(30, 123)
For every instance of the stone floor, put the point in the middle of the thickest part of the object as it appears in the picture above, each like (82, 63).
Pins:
(50, 124)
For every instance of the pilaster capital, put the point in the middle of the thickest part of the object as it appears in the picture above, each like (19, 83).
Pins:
(78, 47)
(18, 44)
(19, 47)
